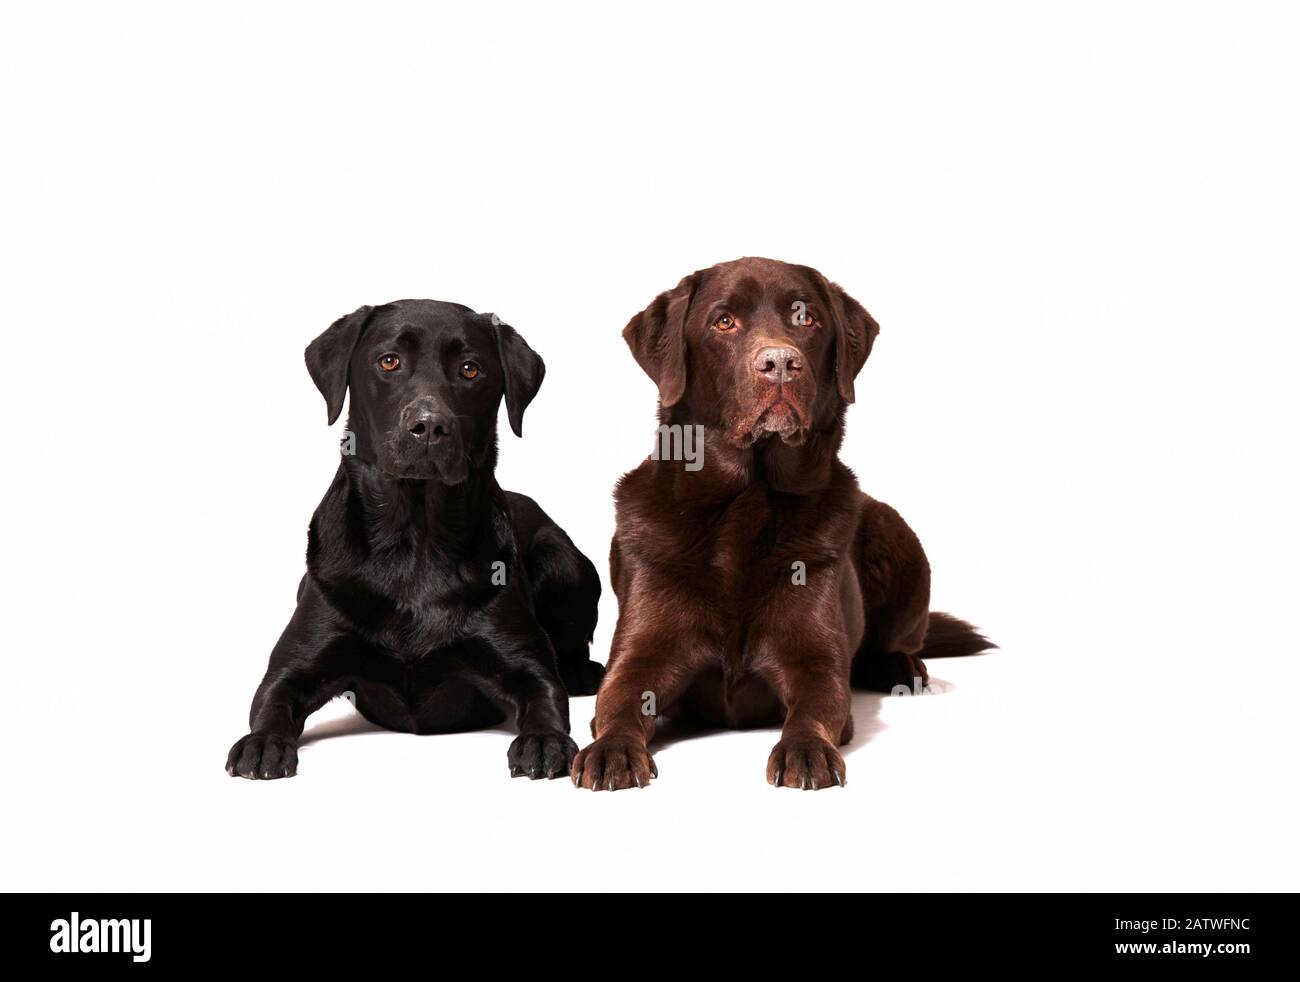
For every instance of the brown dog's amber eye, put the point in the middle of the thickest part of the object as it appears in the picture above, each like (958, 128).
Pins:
(469, 370)
(389, 363)
(801, 316)
(724, 322)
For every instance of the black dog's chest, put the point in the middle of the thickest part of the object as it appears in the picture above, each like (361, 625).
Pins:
(422, 624)
(409, 603)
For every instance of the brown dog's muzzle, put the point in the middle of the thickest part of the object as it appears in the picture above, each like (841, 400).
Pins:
(777, 399)
(778, 364)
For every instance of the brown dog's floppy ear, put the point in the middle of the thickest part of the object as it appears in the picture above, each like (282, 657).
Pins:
(328, 357)
(855, 333)
(523, 369)
(657, 337)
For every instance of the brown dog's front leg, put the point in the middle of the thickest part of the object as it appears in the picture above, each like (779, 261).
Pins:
(815, 691)
(624, 724)
(643, 675)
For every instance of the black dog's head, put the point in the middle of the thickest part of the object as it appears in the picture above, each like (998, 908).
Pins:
(427, 378)
(755, 348)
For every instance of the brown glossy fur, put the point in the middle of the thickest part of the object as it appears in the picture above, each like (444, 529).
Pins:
(715, 624)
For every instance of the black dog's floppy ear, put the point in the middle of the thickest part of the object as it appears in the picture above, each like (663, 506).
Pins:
(657, 337)
(855, 333)
(328, 357)
(523, 369)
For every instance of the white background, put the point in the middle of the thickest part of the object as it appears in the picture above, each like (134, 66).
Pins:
(1076, 223)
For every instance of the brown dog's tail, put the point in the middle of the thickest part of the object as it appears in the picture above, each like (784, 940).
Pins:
(952, 637)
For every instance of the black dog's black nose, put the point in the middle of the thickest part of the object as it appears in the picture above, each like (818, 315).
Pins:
(778, 364)
(429, 424)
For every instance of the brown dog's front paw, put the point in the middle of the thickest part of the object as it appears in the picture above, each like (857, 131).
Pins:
(614, 763)
(263, 757)
(809, 763)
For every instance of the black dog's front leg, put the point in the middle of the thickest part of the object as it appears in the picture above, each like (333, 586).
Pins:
(543, 747)
(300, 678)
(528, 681)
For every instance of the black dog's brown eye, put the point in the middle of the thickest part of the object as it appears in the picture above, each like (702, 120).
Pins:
(389, 362)
(724, 322)
(469, 370)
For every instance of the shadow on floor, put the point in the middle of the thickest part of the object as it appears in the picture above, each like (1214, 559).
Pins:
(356, 725)
(352, 725)
(867, 724)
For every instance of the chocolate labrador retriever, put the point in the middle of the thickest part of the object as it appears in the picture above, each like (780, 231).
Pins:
(437, 600)
(756, 582)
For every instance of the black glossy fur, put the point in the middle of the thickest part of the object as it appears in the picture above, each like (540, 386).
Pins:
(403, 603)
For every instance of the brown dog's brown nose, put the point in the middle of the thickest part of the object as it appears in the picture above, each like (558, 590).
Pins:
(778, 364)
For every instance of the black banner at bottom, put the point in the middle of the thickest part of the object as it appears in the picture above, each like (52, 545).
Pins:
(135, 933)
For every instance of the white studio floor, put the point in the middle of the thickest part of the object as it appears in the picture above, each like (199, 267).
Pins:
(1000, 782)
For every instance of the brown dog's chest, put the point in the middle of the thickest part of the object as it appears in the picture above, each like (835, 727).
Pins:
(743, 555)
(753, 568)
(744, 577)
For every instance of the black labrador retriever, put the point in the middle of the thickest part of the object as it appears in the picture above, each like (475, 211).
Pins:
(439, 601)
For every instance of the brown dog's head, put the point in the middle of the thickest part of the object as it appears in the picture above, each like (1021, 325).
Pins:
(755, 348)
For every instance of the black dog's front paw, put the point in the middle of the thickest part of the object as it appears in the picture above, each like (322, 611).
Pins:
(262, 757)
(582, 679)
(538, 755)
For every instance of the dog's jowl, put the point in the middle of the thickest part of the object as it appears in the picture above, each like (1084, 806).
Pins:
(437, 600)
(759, 585)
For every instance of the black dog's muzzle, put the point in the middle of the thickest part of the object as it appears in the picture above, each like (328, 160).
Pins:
(425, 442)
(426, 421)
